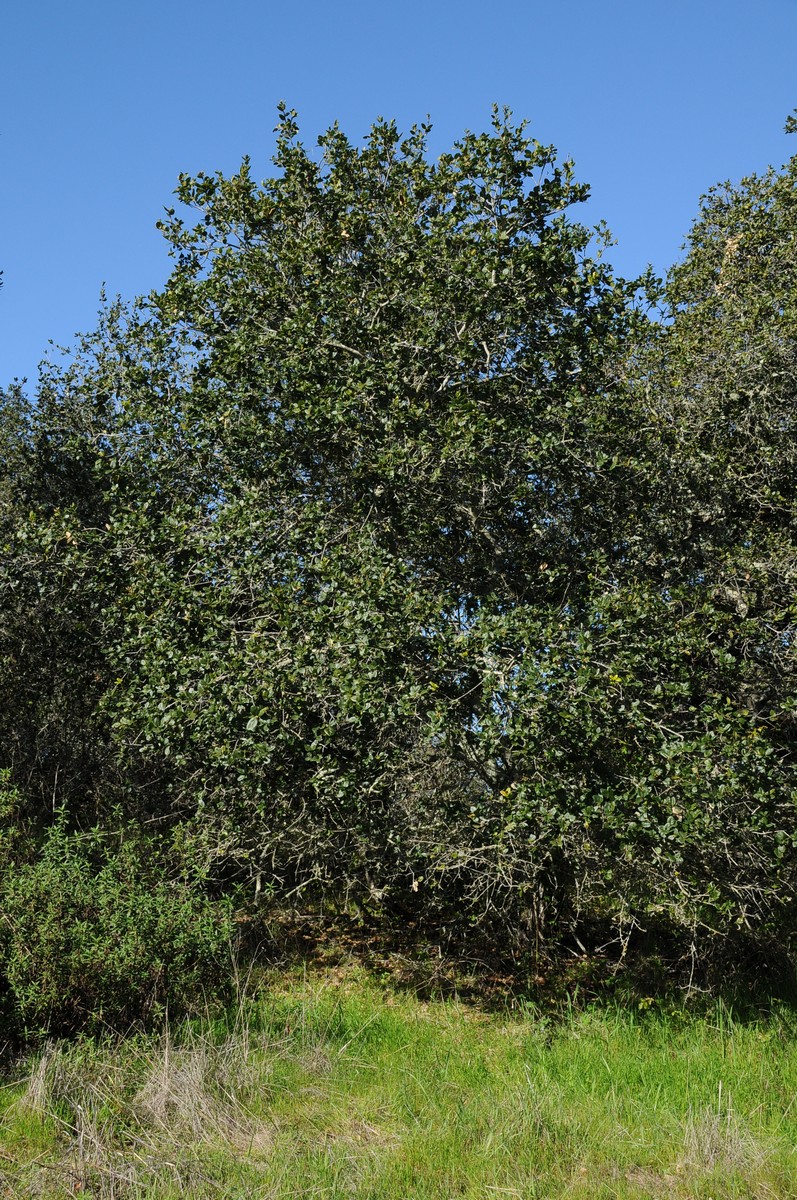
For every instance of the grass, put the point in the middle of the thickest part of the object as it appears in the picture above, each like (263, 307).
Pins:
(335, 1086)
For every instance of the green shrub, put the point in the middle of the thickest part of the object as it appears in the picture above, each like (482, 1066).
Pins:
(98, 937)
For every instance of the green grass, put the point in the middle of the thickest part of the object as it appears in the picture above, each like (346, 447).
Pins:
(333, 1086)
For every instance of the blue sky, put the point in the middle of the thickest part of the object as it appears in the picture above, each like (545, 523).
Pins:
(103, 104)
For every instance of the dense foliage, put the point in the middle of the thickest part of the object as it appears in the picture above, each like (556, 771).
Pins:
(397, 552)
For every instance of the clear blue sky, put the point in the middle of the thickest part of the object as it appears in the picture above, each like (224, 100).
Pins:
(105, 103)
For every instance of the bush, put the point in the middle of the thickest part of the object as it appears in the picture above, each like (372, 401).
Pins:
(96, 937)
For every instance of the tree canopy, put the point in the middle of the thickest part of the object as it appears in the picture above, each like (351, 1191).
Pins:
(400, 551)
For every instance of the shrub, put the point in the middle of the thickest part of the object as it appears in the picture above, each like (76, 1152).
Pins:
(98, 937)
